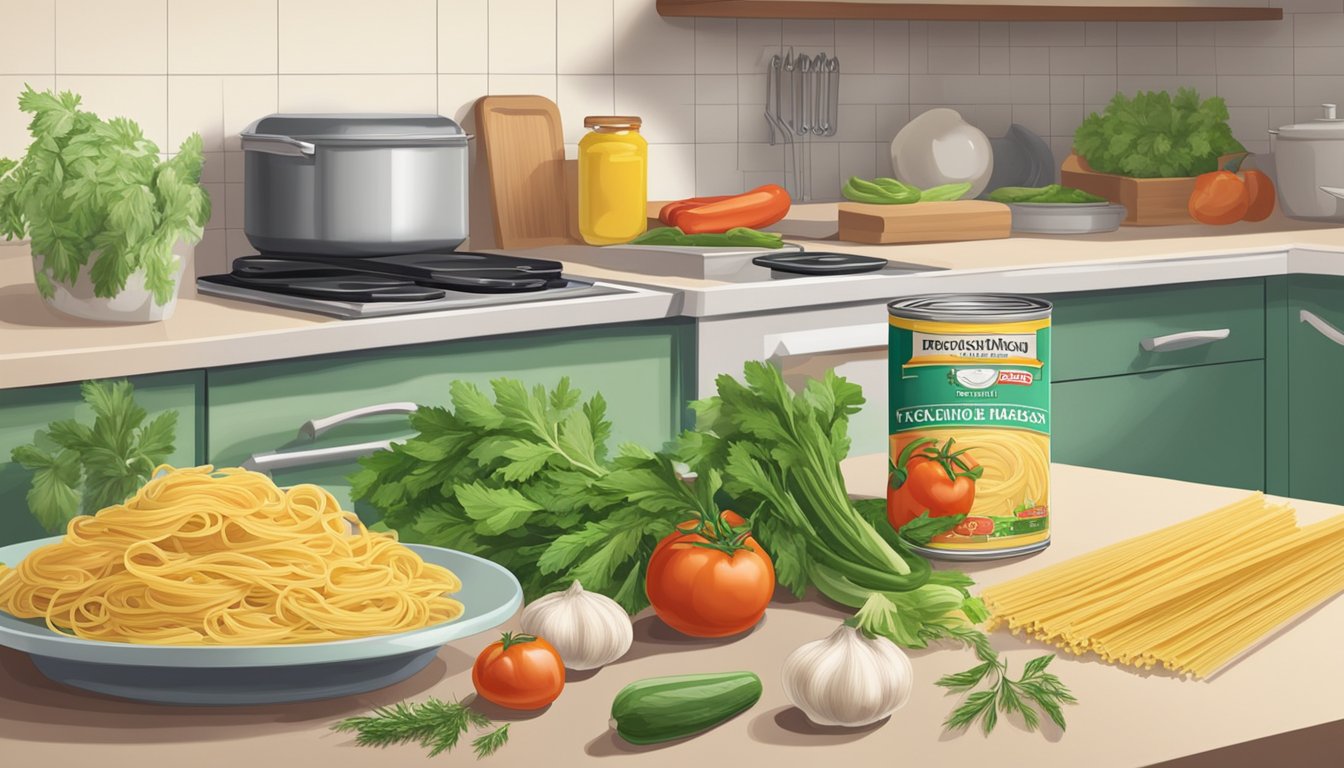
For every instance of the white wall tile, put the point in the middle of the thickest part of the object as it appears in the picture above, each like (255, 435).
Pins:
(855, 45)
(671, 171)
(1311, 91)
(464, 36)
(1147, 60)
(995, 60)
(1029, 60)
(995, 34)
(1317, 29)
(1308, 6)
(246, 98)
(1033, 118)
(1318, 61)
(954, 60)
(750, 88)
(1248, 123)
(1256, 61)
(891, 118)
(647, 43)
(210, 255)
(809, 33)
(1197, 32)
(757, 41)
(14, 137)
(1030, 89)
(579, 96)
(854, 122)
(208, 37)
(891, 47)
(522, 37)
(993, 119)
(1205, 85)
(142, 98)
(918, 48)
(666, 103)
(715, 123)
(358, 93)
(959, 89)
(212, 168)
(1196, 60)
(752, 126)
(1256, 32)
(33, 50)
(716, 171)
(1064, 118)
(458, 94)
(103, 38)
(757, 156)
(1145, 33)
(1099, 89)
(1099, 33)
(233, 207)
(235, 245)
(953, 34)
(874, 89)
(522, 85)
(358, 37)
(825, 171)
(1047, 33)
(196, 105)
(1066, 89)
(1082, 60)
(859, 159)
(1255, 90)
(715, 46)
(723, 89)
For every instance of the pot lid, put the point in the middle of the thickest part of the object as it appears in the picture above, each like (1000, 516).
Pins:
(358, 128)
(1327, 126)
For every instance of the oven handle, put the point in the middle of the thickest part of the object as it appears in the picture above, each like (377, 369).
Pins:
(846, 338)
(314, 427)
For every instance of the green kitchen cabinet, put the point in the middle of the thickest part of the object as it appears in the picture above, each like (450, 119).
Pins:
(1314, 407)
(1203, 424)
(25, 411)
(256, 410)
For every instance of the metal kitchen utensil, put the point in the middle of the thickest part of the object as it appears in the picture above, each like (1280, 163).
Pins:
(833, 94)
(805, 105)
(771, 107)
(354, 184)
(819, 97)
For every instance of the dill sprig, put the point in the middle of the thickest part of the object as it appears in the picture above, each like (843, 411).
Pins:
(1035, 690)
(435, 724)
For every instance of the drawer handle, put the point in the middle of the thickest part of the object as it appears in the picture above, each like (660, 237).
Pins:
(315, 427)
(272, 460)
(1327, 330)
(824, 340)
(1184, 340)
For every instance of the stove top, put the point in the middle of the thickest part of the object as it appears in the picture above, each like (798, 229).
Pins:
(390, 285)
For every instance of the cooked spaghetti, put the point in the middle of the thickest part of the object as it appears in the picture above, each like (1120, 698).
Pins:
(225, 557)
(1191, 597)
(1016, 464)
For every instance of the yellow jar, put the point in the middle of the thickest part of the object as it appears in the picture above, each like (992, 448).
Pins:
(613, 181)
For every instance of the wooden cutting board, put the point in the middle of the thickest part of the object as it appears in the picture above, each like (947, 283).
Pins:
(521, 144)
(924, 222)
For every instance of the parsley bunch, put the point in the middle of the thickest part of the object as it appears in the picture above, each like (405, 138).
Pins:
(525, 480)
(88, 186)
(81, 468)
(1155, 135)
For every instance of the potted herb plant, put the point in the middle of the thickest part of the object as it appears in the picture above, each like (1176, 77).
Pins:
(110, 222)
(1145, 152)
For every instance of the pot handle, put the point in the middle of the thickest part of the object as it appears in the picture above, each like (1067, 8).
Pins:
(1334, 192)
(277, 145)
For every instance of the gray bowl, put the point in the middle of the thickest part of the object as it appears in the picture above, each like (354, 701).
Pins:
(1066, 218)
(262, 674)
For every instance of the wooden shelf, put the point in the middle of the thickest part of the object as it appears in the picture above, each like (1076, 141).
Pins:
(840, 9)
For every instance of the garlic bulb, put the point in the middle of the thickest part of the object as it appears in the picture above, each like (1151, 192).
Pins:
(848, 679)
(589, 630)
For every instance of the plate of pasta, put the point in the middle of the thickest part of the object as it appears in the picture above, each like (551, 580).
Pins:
(215, 586)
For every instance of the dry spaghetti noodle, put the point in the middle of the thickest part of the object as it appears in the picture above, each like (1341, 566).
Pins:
(225, 557)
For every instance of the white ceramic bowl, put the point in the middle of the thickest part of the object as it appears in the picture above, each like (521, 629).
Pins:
(939, 147)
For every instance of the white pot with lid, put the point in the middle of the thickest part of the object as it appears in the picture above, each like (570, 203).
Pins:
(1309, 161)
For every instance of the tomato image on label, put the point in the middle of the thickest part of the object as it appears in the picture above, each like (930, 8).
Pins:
(930, 478)
(974, 526)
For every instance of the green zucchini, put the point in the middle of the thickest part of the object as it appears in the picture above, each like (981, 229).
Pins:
(666, 708)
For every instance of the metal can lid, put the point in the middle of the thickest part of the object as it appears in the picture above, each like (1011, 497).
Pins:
(971, 307)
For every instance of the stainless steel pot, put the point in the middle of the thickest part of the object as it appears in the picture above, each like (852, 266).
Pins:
(355, 185)
(1309, 164)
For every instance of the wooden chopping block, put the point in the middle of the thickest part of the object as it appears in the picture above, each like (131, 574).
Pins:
(936, 222)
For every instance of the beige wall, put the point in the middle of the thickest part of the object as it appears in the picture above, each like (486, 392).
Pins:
(178, 66)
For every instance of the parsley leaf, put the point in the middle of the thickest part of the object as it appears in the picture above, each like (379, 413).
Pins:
(1154, 134)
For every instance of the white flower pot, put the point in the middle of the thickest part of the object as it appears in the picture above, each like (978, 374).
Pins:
(135, 303)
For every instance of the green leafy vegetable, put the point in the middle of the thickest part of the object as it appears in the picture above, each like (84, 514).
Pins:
(922, 529)
(524, 480)
(945, 192)
(1050, 193)
(737, 237)
(436, 725)
(887, 191)
(1036, 692)
(79, 469)
(88, 186)
(1155, 135)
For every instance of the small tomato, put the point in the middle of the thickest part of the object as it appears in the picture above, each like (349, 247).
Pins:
(519, 672)
(1261, 191)
(1219, 198)
(710, 580)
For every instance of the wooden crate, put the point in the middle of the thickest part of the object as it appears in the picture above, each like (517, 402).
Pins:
(1148, 202)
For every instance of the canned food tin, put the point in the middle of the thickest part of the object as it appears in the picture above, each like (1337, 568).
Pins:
(970, 421)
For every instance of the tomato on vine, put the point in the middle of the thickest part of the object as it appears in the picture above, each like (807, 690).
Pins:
(927, 477)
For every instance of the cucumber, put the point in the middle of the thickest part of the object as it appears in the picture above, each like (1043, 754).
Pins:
(666, 708)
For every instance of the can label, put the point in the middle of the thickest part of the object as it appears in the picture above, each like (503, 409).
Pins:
(970, 431)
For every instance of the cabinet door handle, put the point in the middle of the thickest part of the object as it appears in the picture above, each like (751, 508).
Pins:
(823, 340)
(315, 427)
(1327, 330)
(1184, 340)
(272, 460)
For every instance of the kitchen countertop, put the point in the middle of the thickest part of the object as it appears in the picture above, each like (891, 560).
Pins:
(1124, 718)
(39, 347)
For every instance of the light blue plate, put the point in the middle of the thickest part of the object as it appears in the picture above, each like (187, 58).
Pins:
(262, 674)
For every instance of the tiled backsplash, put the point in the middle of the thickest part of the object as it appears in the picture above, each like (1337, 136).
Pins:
(212, 66)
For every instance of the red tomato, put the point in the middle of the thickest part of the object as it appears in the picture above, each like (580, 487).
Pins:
(1033, 512)
(707, 591)
(519, 672)
(927, 486)
(1261, 191)
(974, 526)
(931, 487)
(1219, 198)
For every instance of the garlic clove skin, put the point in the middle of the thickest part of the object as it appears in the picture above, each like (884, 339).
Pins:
(587, 629)
(848, 679)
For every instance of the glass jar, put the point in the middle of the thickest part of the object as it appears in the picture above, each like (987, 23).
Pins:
(613, 180)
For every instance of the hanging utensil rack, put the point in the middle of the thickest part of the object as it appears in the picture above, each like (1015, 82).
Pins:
(811, 87)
